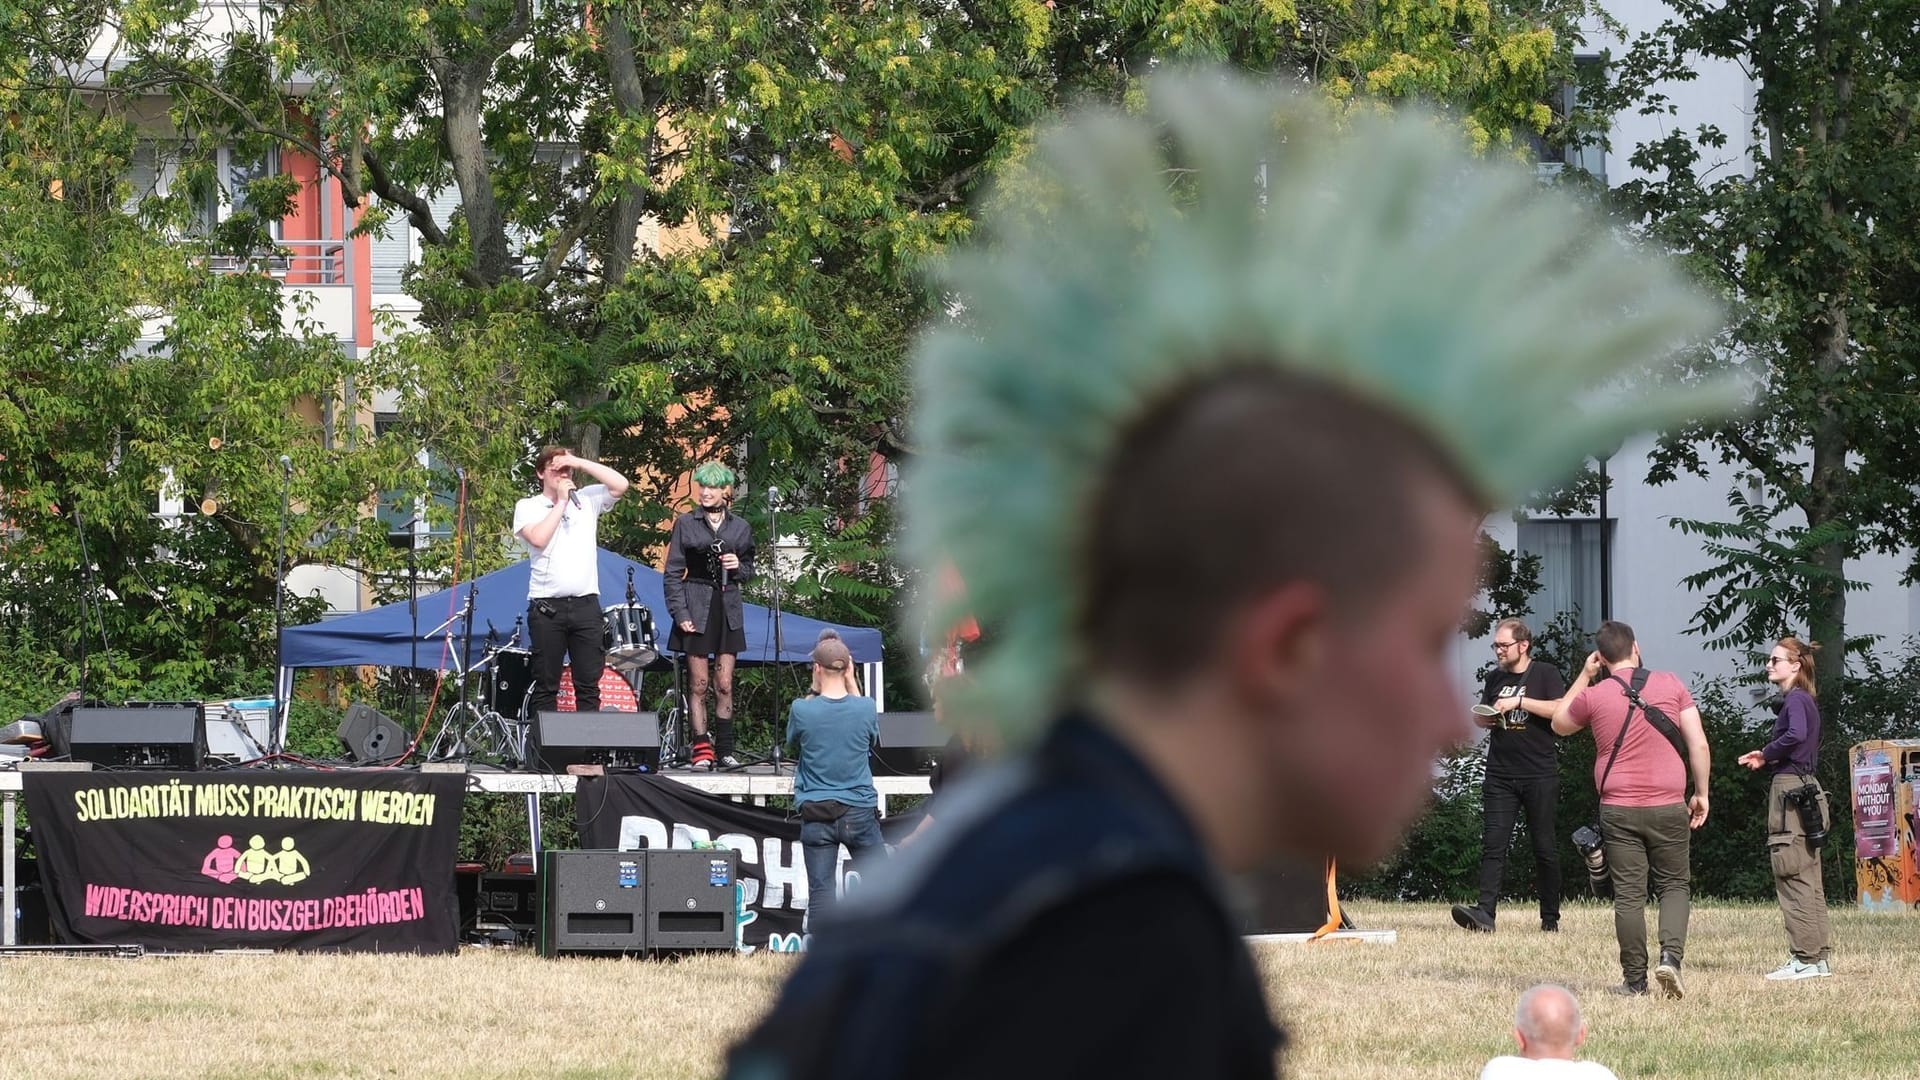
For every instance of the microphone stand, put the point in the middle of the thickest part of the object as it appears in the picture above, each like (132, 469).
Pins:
(775, 752)
(277, 737)
(779, 649)
(404, 537)
(89, 608)
(413, 637)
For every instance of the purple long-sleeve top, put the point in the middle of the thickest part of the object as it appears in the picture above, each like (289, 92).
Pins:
(1796, 735)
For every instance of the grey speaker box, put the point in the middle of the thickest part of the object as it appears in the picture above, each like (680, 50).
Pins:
(637, 901)
(690, 899)
(370, 735)
(161, 737)
(593, 902)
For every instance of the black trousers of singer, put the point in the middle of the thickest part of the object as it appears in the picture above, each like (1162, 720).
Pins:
(565, 628)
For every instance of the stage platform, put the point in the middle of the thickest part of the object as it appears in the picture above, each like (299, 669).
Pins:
(753, 783)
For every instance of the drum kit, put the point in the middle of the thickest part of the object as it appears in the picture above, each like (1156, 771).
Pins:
(627, 638)
(495, 728)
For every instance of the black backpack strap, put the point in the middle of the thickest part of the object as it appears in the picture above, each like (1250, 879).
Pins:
(1600, 789)
(1661, 722)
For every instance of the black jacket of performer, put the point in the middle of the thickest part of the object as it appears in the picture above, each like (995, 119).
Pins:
(693, 569)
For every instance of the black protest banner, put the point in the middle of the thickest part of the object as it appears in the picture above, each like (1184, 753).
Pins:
(336, 861)
(633, 811)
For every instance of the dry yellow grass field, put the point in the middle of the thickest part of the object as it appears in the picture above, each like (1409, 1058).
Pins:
(1436, 1004)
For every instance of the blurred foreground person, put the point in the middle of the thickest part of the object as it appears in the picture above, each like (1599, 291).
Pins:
(1206, 446)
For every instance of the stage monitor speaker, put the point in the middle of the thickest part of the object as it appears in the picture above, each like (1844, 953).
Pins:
(370, 735)
(593, 902)
(614, 739)
(1285, 896)
(161, 737)
(909, 742)
(690, 899)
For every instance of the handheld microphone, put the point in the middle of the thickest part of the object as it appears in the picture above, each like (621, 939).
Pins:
(719, 549)
(574, 498)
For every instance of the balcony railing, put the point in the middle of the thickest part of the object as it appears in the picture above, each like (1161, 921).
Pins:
(296, 262)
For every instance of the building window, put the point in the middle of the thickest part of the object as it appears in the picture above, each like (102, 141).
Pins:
(232, 174)
(1550, 149)
(1570, 554)
(398, 507)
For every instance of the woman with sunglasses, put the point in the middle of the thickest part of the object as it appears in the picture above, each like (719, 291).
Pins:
(1789, 757)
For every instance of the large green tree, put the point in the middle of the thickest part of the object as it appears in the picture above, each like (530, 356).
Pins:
(791, 163)
(1814, 243)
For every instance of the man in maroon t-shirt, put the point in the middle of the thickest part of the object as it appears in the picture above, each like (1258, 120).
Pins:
(1646, 817)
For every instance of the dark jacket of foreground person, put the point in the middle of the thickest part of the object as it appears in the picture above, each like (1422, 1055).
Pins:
(1062, 921)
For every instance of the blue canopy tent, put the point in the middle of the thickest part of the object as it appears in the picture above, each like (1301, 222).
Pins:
(383, 636)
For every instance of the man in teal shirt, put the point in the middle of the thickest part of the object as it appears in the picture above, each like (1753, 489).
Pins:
(834, 730)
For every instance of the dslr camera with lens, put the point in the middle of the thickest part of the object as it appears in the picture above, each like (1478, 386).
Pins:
(1805, 801)
(1593, 852)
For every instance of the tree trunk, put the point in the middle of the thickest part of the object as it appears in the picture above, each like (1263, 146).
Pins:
(1831, 479)
(629, 93)
(473, 173)
(1827, 607)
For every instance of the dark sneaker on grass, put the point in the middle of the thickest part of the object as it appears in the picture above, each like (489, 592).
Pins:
(1473, 917)
(1627, 989)
(1668, 976)
(1550, 926)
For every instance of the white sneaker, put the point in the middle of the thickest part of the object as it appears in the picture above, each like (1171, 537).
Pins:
(728, 761)
(1794, 969)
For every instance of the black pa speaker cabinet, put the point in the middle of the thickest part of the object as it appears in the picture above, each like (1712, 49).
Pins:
(163, 737)
(593, 902)
(909, 742)
(370, 735)
(615, 739)
(1284, 896)
(690, 898)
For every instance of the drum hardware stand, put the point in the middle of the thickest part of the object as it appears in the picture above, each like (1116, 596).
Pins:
(674, 749)
(499, 697)
(464, 725)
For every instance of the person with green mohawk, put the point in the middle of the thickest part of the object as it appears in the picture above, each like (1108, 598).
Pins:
(709, 554)
(1209, 431)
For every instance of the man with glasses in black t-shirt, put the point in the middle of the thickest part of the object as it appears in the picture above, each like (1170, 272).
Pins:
(1522, 772)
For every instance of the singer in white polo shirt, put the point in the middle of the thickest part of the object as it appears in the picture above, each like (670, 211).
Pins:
(561, 529)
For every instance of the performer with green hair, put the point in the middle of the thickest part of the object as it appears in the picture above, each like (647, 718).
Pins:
(1208, 431)
(709, 554)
